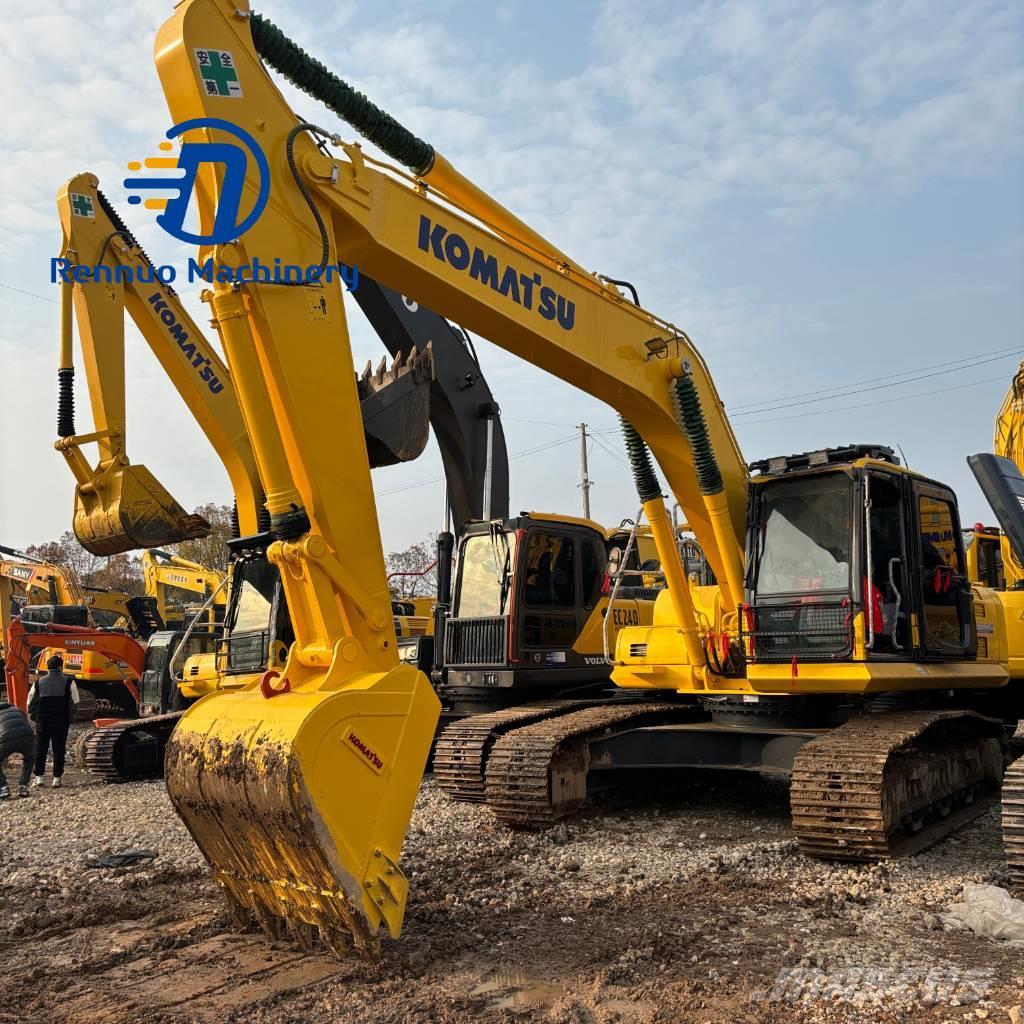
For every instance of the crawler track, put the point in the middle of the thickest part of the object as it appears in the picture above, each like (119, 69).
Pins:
(893, 784)
(537, 774)
(130, 750)
(1013, 823)
(461, 752)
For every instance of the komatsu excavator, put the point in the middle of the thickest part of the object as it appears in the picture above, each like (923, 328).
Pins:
(840, 643)
(164, 572)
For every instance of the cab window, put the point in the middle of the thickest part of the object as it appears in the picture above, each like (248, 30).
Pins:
(550, 571)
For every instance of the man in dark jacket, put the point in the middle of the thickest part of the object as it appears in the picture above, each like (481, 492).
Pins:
(16, 737)
(51, 704)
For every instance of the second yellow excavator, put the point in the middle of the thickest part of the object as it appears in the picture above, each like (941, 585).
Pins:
(164, 572)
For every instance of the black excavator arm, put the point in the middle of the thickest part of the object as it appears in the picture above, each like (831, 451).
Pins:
(463, 413)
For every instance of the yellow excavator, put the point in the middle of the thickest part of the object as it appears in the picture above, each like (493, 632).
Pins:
(840, 644)
(995, 559)
(164, 572)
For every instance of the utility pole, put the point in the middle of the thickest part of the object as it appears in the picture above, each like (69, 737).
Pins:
(585, 481)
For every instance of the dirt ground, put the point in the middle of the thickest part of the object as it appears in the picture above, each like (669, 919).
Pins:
(696, 908)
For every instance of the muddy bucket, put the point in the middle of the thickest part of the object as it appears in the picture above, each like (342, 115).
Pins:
(300, 800)
(129, 509)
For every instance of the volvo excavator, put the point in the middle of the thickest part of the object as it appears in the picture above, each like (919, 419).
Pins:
(840, 643)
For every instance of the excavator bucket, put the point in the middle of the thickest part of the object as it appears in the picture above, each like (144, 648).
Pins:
(132, 510)
(395, 405)
(300, 800)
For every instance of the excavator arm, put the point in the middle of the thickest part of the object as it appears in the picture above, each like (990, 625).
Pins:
(463, 413)
(328, 753)
(120, 506)
(43, 581)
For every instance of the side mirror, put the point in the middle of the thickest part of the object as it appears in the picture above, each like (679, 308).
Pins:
(614, 561)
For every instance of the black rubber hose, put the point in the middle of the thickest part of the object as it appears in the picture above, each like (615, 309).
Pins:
(309, 75)
(263, 516)
(66, 402)
(695, 427)
(647, 486)
(236, 530)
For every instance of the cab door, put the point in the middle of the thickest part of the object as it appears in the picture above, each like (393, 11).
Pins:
(549, 622)
(945, 610)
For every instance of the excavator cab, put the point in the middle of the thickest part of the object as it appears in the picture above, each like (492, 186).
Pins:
(851, 556)
(528, 606)
(257, 626)
(985, 557)
(158, 691)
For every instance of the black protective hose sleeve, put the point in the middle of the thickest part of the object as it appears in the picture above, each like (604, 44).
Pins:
(66, 402)
(309, 75)
(695, 427)
(291, 524)
(647, 486)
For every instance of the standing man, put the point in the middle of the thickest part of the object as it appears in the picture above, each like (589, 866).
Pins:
(51, 705)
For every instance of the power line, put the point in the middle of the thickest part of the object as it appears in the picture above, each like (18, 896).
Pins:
(883, 401)
(854, 387)
(609, 450)
(547, 446)
(21, 291)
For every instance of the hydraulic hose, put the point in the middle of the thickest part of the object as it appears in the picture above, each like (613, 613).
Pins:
(647, 486)
(309, 75)
(649, 491)
(690, 416)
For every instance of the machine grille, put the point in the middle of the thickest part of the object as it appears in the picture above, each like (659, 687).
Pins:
(476, 641)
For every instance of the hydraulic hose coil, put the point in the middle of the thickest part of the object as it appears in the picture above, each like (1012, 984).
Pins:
(686, 403)
(309, 75)
(647, 486)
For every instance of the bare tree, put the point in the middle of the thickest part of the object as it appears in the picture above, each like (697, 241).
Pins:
(415, 564)
(210, 551)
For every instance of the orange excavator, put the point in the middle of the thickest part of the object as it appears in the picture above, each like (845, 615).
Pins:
(22, 638)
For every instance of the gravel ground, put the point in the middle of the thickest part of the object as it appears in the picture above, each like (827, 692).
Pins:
(695, 909)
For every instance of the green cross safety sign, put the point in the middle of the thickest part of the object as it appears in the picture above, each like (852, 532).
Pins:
(81, 205)
(217, 70)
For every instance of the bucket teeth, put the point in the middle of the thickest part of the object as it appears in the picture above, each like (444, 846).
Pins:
(419, 363)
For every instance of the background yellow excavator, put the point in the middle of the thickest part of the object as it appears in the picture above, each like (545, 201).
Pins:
(167, 576)
(840, 643)
(995, 560)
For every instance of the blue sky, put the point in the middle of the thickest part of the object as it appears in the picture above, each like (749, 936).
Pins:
(819, 193)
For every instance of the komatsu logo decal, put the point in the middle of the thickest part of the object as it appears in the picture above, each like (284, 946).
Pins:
(180, 335)
(366, 752)
(526, 290)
